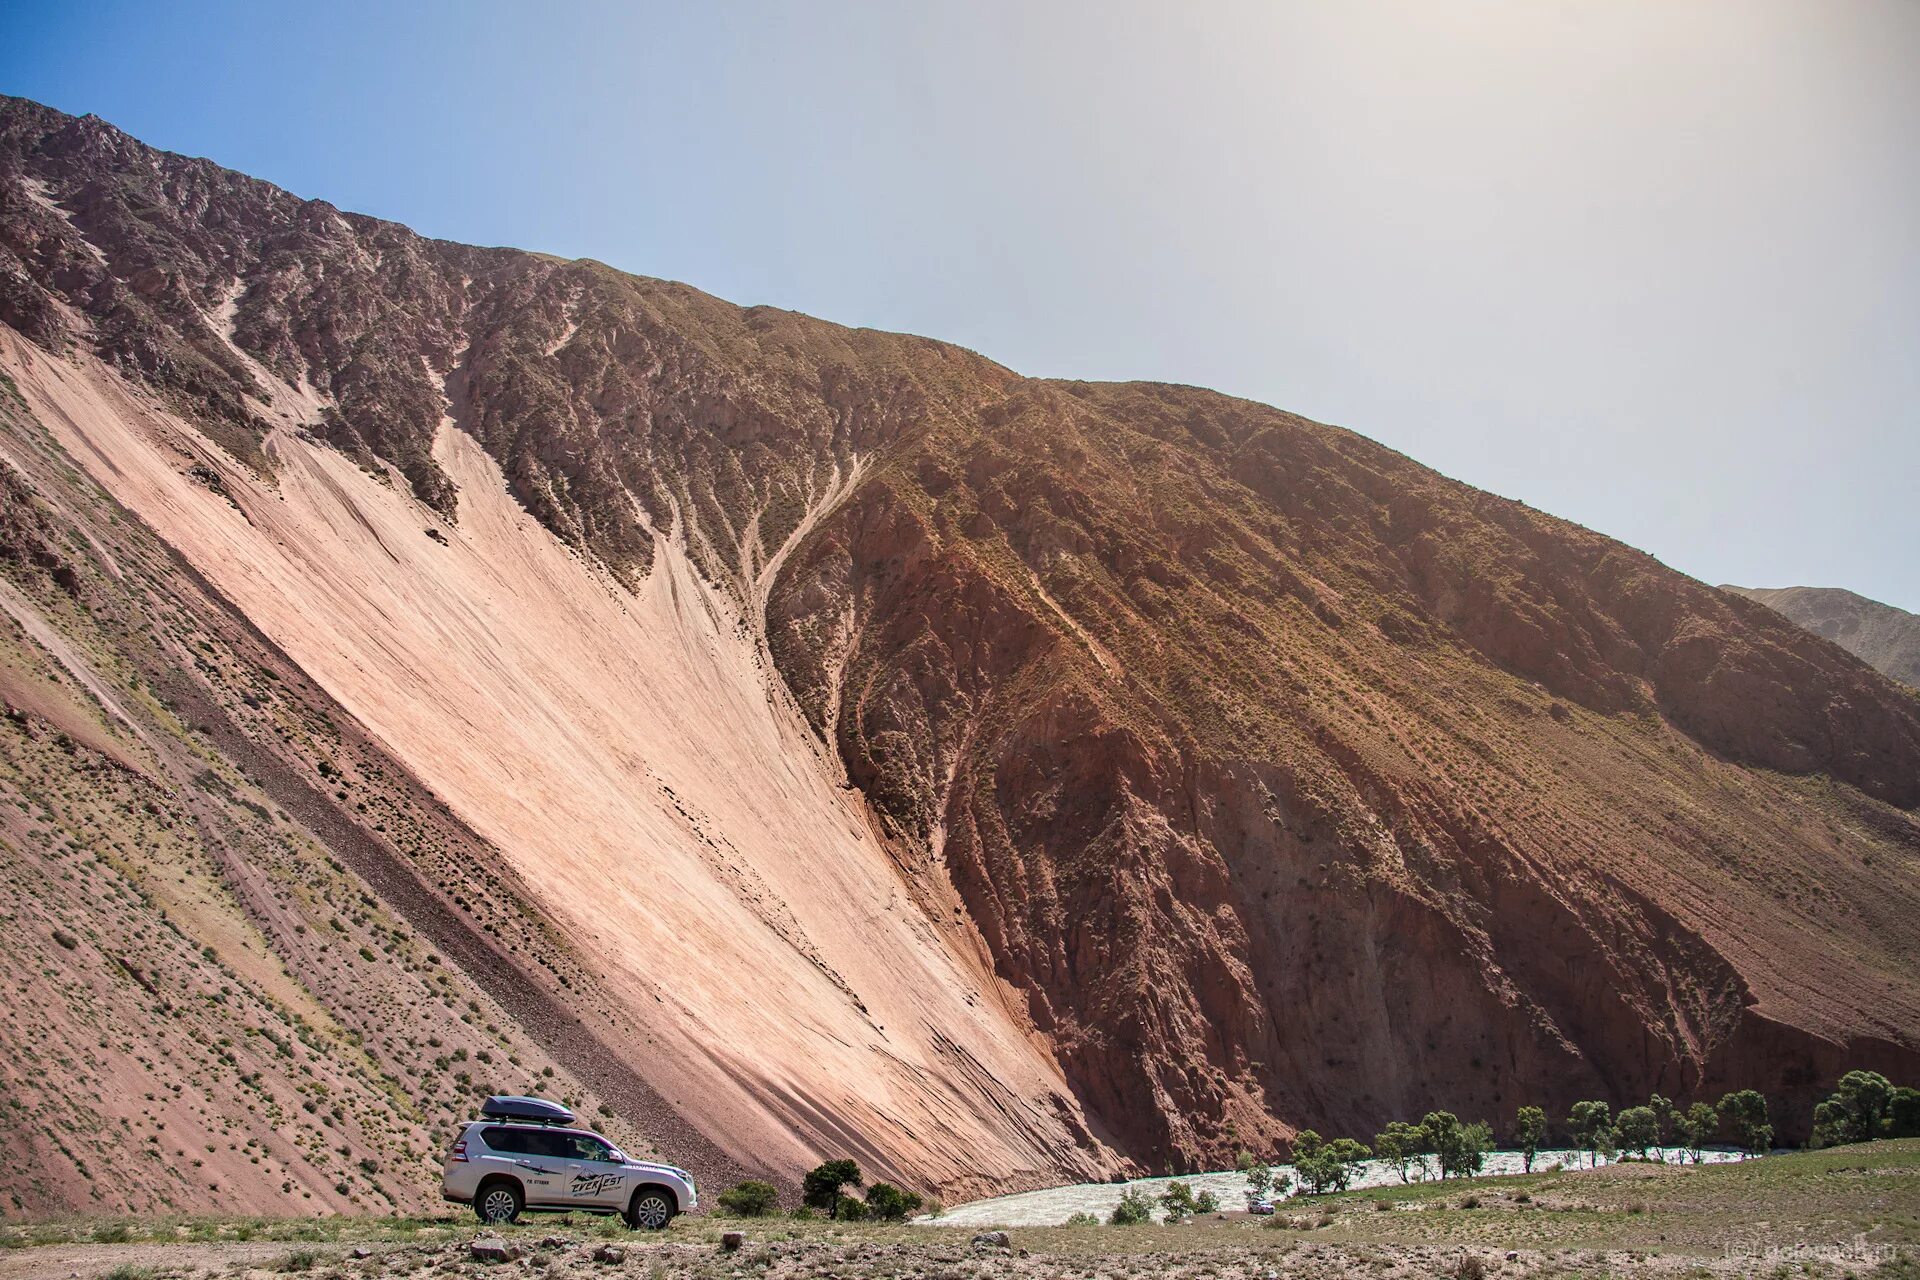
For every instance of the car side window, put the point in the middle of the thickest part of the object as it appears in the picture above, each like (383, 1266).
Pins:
(586, 1148)
(544, 1142)
(511, 1141)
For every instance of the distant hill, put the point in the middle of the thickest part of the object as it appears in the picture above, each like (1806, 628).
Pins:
(1879, 634)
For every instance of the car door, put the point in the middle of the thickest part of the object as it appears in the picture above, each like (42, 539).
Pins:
(593, 1172)
(535, 1159)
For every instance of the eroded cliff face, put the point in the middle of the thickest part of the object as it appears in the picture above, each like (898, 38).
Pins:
(1295, 783)
(1218, 772)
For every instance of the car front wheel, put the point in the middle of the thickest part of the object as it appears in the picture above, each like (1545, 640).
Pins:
(498, 1203)
(652, 1209)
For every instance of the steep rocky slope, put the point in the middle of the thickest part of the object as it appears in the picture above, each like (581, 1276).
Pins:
(1886, 638)
(995, 779)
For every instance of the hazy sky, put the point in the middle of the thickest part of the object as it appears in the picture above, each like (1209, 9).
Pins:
(1653, 266)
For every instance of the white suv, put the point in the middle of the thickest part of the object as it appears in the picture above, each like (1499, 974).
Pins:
(505, 1167)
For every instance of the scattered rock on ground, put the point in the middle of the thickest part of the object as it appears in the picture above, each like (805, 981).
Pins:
(491, 1249)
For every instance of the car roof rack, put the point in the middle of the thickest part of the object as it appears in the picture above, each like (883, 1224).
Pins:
(507, 1106)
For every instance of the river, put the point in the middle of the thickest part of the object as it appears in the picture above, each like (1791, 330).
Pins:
(1055, 1205)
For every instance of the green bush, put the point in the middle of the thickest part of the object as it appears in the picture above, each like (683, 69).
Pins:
(1178, 1201)
(1591, 1124)
(1903, 1114)
(1745, 1112)
(821, 1188)
(1326, 1166)
(1695, 1127)
(1857, 1111)
(1460, 1149)
(1637, 1129)
(1082, 1220)
(1405, 1147)
(750, 1199)
(889, 1203)
(1135, 1207)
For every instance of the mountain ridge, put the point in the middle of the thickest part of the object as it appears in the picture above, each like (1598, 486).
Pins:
(1884, 636)
(1219, 772)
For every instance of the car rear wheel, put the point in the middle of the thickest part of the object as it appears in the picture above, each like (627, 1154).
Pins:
(498, 1203)
(651, 1209)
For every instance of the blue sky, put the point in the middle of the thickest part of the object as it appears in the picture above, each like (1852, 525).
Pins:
(1651, 266)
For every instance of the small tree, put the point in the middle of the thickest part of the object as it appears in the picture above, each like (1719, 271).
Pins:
(1591, 1124)
(1178, 1202)
(1206, 1202)
(1530, 1132)
(820, 1189)
(1697, 1127)
(1637, 1129)
(1134, 1208)
(1855, 1112)
(1745, 1112)
(750, 1199)
(1403, 1146)
(888, 1203)
(1258, 1173)
(1468, 1155)
(1326, 1166)
(1665, 1115)
(1460, 1149)
(1439, 1131)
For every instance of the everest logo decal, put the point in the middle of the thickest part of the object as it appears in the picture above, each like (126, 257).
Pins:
(591, 1184)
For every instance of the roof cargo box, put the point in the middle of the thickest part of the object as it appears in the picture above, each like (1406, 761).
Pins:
(537, 1110)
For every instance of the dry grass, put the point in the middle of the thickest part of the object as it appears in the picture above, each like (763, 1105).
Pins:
(1827, 1214)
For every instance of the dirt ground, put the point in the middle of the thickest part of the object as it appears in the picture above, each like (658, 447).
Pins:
(1849, 1211)
(922, 1254)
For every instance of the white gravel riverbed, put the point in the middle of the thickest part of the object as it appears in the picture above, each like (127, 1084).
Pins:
(1055, 1205)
